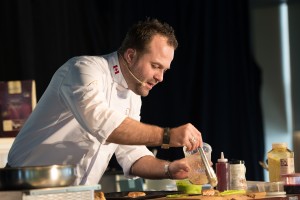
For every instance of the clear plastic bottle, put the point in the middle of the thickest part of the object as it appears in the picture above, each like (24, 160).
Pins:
(197, 174)
(280, 161)
(222, 170)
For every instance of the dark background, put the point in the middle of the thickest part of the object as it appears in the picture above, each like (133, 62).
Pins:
(214, 82)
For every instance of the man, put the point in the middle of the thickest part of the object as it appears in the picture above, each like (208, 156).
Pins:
(91, 110)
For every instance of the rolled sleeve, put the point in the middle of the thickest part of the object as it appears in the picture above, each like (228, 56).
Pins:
(127, 155)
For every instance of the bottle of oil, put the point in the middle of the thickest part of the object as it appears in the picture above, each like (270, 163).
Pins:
(280, 161)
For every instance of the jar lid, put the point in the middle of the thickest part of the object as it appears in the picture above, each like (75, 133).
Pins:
(279, 145)
(237, 161)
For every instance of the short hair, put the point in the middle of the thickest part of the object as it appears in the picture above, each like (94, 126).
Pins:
(140, 35)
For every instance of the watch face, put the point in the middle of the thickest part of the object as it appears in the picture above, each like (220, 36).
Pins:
(165, 146)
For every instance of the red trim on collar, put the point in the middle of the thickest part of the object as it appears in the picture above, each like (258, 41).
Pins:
(116, 69)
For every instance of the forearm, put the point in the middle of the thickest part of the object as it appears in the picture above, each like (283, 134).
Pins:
(151, 168)
(132, 132)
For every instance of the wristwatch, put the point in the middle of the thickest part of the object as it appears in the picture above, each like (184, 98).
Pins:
(167, 170)
(166, 139)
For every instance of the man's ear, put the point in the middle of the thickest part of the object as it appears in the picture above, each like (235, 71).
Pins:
(131, 53)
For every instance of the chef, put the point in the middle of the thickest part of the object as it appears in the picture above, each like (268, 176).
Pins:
(91, 110)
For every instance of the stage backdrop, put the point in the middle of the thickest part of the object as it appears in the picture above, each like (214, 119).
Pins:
(214, 82)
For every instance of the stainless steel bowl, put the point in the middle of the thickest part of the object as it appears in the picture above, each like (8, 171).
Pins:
(22, 178)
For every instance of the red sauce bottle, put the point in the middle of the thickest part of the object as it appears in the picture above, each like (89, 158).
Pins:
(222, 170)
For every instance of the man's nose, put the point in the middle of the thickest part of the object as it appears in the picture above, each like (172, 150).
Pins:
(159, 76)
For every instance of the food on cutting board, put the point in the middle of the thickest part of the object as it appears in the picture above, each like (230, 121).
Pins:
(210, 192)
(256, 195)
(136, 194)
(233, 194)
(99, 195)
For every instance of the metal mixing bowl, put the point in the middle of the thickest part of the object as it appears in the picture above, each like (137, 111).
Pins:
(22, 178)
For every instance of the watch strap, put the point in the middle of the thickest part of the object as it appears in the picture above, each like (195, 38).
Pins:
(166, 138)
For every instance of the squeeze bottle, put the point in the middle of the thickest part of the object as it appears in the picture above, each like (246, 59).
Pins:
(222, 170)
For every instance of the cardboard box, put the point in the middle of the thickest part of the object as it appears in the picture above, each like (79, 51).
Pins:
(17, 100)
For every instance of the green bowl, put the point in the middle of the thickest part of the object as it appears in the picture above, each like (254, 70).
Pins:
(187, 187)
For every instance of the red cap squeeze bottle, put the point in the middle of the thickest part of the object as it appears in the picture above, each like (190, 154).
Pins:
(222, 170)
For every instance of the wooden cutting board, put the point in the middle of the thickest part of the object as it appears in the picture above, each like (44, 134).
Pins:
(200, 197)
(231, 197)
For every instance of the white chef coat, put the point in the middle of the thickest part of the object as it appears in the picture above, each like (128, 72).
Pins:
(85, 101)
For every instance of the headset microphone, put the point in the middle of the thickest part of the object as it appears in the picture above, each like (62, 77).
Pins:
(130, 72)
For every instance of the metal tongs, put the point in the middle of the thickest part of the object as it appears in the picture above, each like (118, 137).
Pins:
(210, 173)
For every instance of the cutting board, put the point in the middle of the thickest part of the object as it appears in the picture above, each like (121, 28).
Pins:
(200, 197)
(231, 197)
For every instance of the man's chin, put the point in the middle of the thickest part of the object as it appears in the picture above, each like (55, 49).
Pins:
(142, 92)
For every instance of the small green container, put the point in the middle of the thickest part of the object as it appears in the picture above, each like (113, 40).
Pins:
(187, 187)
